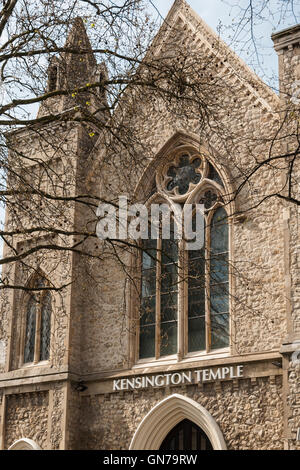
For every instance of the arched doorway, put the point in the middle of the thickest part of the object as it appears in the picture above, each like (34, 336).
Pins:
(24, 444)
(186, 436)
(166, 415)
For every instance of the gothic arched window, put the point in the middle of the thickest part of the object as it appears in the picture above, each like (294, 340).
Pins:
(184, 305)
(52, 77)
(37, 322)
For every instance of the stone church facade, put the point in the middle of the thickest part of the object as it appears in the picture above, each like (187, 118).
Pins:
(91, 378)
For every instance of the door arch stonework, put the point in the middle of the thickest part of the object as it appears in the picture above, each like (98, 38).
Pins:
(24, 444)
(166, 415)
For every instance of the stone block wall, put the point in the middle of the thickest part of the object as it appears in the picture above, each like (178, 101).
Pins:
(250, 416)
(26, 415)
(294, 405)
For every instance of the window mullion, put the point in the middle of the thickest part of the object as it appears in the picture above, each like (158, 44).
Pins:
(38, 330)
(138, 305)
(182, 301)
(158, 298)
(207, 287)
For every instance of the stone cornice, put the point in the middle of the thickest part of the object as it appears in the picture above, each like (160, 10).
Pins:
(41, 375)
(184, 365)
(287, 37)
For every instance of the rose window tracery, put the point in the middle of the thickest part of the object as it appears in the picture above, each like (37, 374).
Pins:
(189, 172)
(185, 173)
(208, 199)
(180, 284)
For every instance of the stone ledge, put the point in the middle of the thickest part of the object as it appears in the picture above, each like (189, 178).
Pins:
(286, 37)
(36, 380)
(183, 365)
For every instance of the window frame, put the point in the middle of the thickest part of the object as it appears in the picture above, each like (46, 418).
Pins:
(182, 308)
(39, 302)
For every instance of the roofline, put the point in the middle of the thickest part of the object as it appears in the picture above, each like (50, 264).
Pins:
(237, 65)
(286, 37)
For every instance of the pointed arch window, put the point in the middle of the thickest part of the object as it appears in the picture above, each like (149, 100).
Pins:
(37, 322)
(184, 304)
(52, 77)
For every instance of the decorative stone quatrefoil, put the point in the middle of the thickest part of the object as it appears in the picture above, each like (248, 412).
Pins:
(208, 199)
(183, 174)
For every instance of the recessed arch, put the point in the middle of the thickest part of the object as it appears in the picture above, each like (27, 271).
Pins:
(24, 444)
(144, 188)
(36, 320)
(166, 415)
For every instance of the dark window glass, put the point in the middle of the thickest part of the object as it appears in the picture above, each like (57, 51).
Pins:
(219, 232)
(184, 174)
(38, 307)
(147, 341)
(219, 331)
(197, 340)
(168, 338)
(169, 295)
(214, 175)
(186, 436)
(52, 80)
(45, 327)
(196, 299)
(219, 281)
(30, 330)
(148, 300)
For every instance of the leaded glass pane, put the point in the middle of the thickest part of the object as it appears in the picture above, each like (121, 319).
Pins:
(197, 273)
(196, 334)
(208, 199)
(149, 254)
(219, 232)
(196, 299)
(30, 331)
(219, 281)
(148, 300)
(219, 331)
(219, 269)
(45, 327)
(169, 307)
(168, 338)
(169, 278)
(169, 249)
(214, 175)
(147, 341)
(196, 302)
(148, 282)
(169, 295)
(219, 298)
(148, 310)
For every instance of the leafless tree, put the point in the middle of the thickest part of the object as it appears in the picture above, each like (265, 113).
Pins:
(51, 188)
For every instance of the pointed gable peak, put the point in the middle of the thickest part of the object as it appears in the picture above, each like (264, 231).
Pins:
(77, 35)
(196, 34)
(78, 40)
(180, 3)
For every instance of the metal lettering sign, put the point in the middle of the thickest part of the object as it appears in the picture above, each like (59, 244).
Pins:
(177, 378)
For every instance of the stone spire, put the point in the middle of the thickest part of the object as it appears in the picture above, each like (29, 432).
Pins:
(79, 61)
(72, 70)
